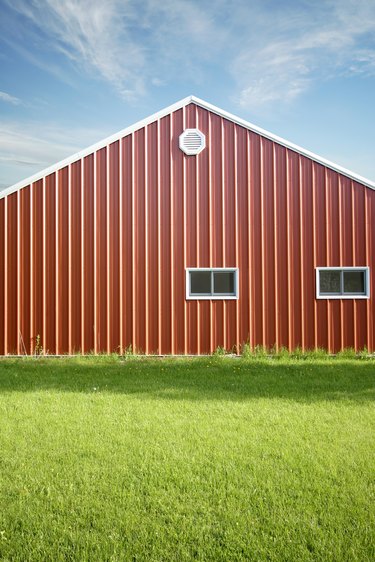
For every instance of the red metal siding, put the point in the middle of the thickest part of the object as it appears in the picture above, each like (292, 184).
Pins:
(93, 256)
(49, 265)
(100, 233)
(87, 281)
(11, 275)
(24, 341)
(2, 276)
(37, 252)
(62, 261)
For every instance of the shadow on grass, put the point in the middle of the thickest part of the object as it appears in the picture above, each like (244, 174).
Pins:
(195, 379)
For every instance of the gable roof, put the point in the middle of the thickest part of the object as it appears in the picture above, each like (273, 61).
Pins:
(170, 109)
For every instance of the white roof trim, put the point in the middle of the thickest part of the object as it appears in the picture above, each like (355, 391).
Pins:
(283, 142)
(160, 114)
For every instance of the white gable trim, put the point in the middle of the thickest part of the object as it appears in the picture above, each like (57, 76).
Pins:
(283, 142)
(164, 112)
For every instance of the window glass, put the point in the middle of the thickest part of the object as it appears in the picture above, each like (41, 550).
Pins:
(343, 283)
(200, 282)
(216, 283)
(330, 282)
(354, 282)
(224, 282)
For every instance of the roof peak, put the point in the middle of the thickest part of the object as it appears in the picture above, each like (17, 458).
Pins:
(170, 109)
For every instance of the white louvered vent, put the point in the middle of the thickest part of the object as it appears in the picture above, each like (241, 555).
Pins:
(192, 141)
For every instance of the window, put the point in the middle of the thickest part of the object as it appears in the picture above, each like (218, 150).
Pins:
(342, 283)
(218, 283)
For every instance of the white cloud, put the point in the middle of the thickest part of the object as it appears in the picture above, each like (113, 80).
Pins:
(124, 41)
(28, 147)
(93, 34)
(272, 51)
(157, 81)
(312, 42)
(7, 98)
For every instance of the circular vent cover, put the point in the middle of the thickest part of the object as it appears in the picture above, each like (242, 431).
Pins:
(192, 141)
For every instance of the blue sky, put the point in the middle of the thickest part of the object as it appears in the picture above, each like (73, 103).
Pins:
(75, 71)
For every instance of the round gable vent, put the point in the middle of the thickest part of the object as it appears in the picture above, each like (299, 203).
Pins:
(192, 141)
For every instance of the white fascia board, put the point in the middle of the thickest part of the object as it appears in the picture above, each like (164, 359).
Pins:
(97, 146)
(170, 109)
(283, 142)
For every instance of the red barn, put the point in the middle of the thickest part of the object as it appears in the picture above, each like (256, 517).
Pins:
(190, 230)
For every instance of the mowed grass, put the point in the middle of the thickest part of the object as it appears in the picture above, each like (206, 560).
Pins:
(174, 460)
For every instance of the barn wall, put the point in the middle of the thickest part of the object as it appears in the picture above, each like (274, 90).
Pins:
(93, 256)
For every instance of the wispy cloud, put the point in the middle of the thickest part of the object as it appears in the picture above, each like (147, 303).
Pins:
(28, 147)
(302, 45)
(94, 35)
(269, 51)
(124, 42)
(34, 57)
(7, 98)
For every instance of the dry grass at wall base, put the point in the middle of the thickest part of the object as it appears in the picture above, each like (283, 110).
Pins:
(211, 459)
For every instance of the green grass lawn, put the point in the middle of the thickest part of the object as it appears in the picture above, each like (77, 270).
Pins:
(174, 460)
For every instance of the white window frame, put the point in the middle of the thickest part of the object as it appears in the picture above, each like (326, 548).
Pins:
(234, 270)
(342, 295)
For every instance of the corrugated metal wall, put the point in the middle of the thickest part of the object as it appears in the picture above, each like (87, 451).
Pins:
(93, 256)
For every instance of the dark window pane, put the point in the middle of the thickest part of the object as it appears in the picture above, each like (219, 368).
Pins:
(224, 283)
(330, 282)
(200, 282)
(354, 282)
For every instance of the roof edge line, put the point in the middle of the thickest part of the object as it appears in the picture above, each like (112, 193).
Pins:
(162, 113)
(287, 144)
(96, 146)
